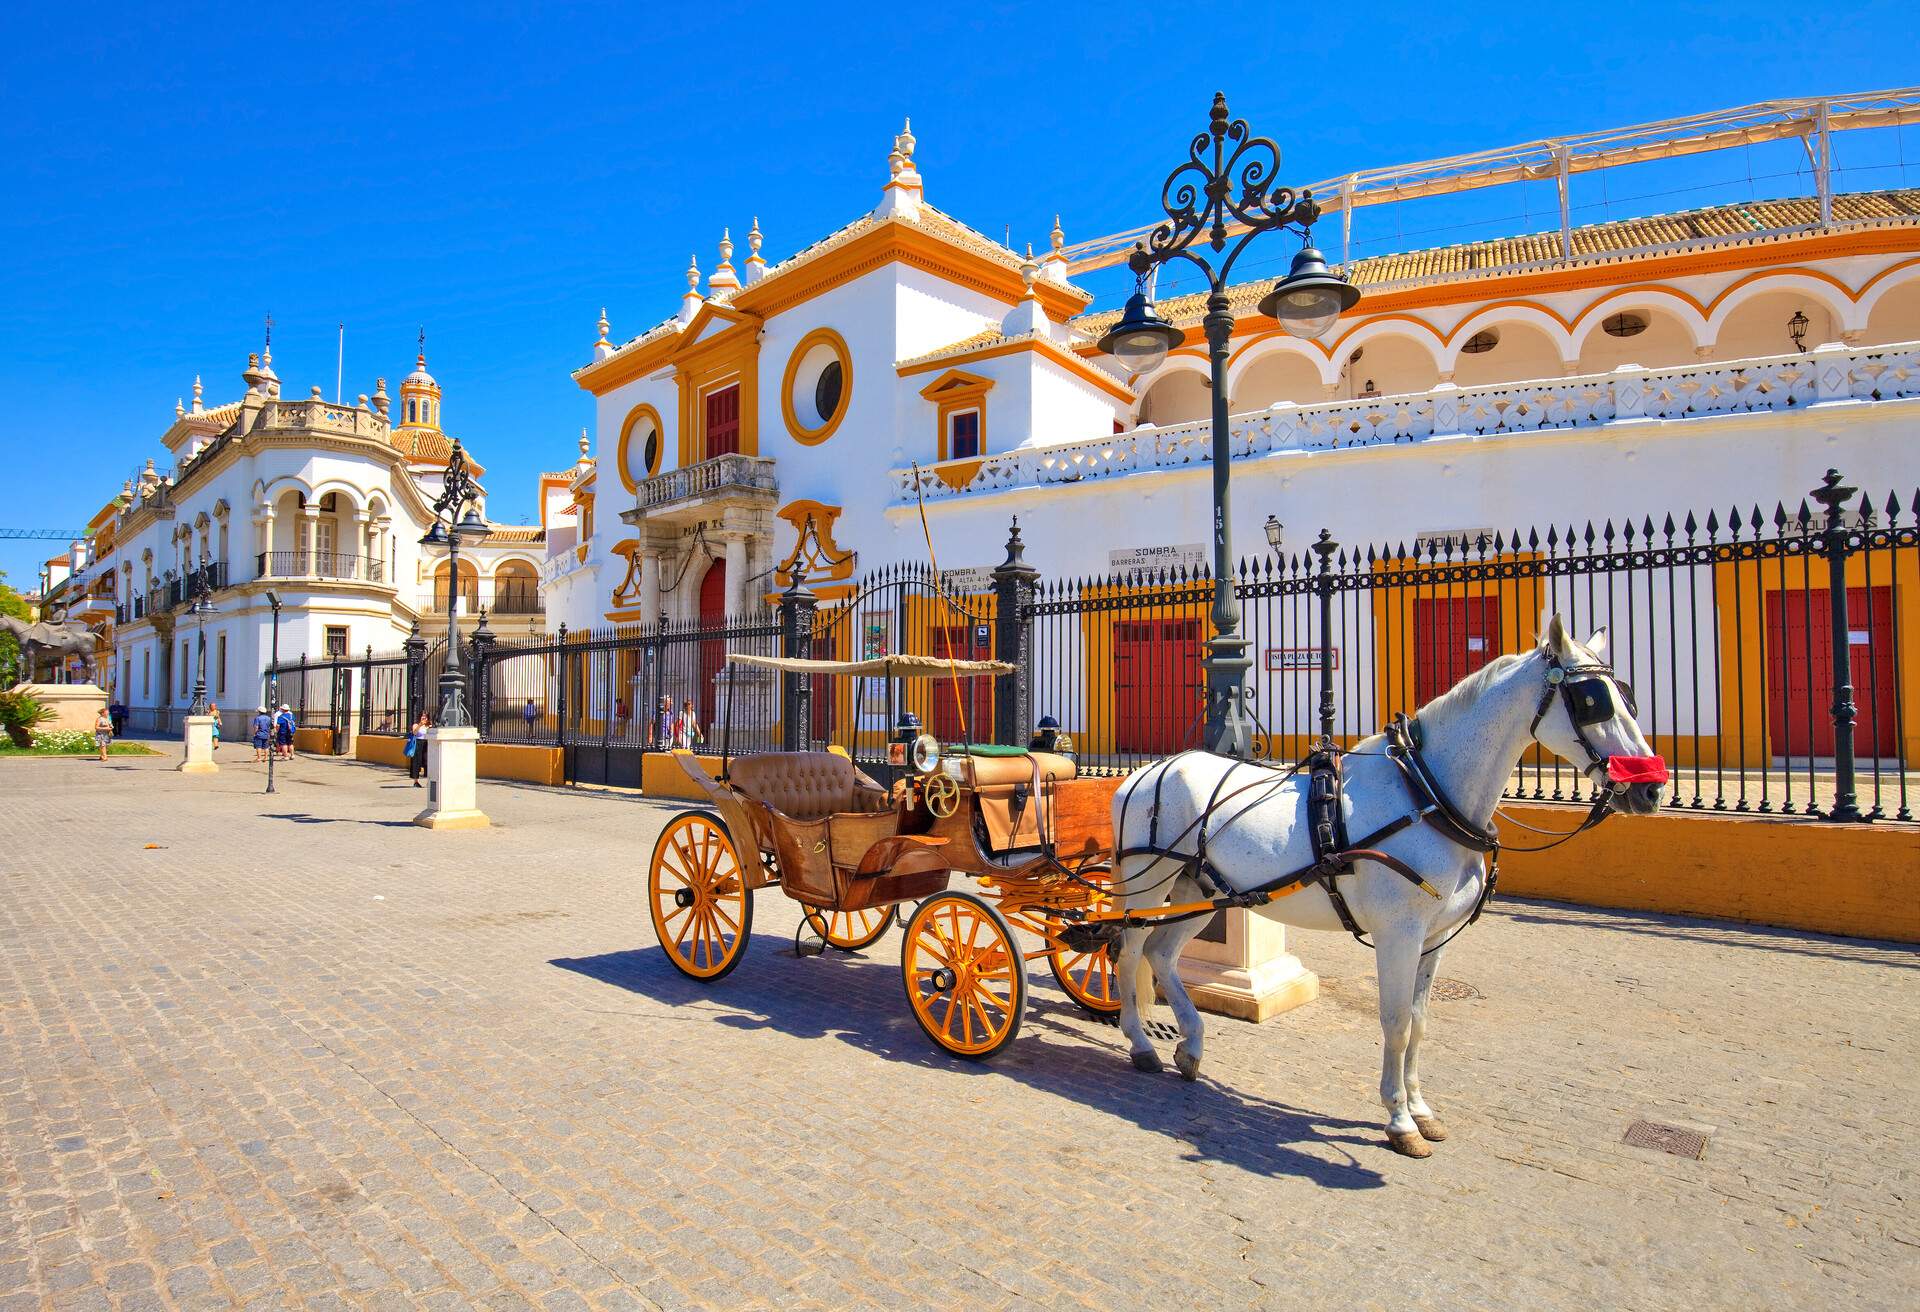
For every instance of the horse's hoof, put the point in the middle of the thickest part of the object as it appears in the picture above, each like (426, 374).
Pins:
(1186, 1063)
(1432, 1128)
(1408, 1144)
(1148, 1061)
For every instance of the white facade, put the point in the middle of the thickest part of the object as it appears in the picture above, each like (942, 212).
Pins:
(1470, 388)
(319, 504)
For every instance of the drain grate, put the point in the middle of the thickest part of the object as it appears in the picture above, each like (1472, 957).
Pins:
(1665, 1139)
(1443, 990)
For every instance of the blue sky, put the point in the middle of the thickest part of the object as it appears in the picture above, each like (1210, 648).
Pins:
(499, 173)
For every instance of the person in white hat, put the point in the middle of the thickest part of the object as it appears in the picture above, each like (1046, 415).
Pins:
(262, 734)
(283, 732)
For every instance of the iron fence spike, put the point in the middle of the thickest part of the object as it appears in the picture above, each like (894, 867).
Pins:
(1893, 504)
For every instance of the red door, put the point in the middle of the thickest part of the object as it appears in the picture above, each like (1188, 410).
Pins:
(1159, 690)
(713, 651)
(1800, 672)
(723, 422)
(962, 642)
(1452, 637)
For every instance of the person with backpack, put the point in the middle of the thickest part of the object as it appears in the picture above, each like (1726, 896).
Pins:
(283, 725)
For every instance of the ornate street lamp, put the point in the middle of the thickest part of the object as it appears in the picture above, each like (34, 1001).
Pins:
(1223, 197)
(1276, 531)
(200, 609)
(457, 505)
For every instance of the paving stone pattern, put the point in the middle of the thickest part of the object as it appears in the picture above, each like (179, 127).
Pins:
(294, 1052)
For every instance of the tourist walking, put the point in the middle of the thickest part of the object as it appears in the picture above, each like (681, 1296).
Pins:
(417, 748)
(102, 730)
(262, 735)
(213, 709)
(664, 723)
(283, 732)
(528, 715)
(687, 735)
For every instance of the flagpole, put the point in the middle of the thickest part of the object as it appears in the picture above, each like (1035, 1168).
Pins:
(340, 366)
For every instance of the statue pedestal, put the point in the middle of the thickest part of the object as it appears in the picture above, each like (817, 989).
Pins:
(74, 705)
(452, 788)
(198, 758)
(1239, 966)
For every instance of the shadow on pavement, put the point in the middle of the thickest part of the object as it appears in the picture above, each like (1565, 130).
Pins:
(302, 818)
(1717, 933)
(864, 1005)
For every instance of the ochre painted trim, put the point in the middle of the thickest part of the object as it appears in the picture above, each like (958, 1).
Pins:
(951, 393)
(1062, 357)
(838, 345)
(1862, 880)
(632, 421)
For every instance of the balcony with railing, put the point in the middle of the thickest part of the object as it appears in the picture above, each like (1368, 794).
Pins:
(516, 597)
(332, 565)
(723, 480)
(1771, 384)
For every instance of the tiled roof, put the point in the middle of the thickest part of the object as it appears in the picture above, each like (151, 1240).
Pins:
(1714, 225)
(985, 337)
(424, 446)
(501, 533)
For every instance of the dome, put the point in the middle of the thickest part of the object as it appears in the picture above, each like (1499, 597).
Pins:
(419, 377)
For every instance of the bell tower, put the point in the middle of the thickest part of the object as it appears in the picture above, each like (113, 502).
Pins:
(420, 394)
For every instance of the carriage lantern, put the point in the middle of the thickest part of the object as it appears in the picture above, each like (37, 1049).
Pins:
(1222, 197)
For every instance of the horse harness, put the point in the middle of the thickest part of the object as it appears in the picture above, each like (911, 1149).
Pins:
(1587, 692)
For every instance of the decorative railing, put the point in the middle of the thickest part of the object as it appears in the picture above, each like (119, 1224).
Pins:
(732, 473)
(321, 565)
(516, 598)
(1879, 373)
(316, 415)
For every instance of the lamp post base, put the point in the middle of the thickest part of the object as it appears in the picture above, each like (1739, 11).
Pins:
(452, 790)
(197, 757)
(1229, 730)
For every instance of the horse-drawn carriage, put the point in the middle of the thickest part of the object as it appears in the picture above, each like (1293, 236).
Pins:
(1031, 836)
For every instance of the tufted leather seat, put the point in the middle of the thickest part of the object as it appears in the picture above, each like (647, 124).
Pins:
(807, 785)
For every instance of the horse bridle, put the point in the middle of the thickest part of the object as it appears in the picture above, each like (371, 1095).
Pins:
(1587, 691)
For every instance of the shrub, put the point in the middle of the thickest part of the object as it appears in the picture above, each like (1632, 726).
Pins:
(20, 714)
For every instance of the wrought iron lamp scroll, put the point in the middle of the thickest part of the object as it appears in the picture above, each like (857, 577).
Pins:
(1219, 200)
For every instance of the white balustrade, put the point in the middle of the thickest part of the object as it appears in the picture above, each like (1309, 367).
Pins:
(1876, 373)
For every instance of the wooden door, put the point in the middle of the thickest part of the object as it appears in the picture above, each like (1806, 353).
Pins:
(1452, 637)
(713, 651)
(1800, 671)
(1158, 685)
(723, 421)
(962, 642)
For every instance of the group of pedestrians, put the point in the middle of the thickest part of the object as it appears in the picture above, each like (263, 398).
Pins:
(272, 732)
(676, 729)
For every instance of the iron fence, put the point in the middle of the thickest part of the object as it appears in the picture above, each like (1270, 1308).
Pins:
(1771, 652)
(1773, 655)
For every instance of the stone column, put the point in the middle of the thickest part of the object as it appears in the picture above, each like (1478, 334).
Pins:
(1239, 966)
(310, 521)
(734, 552)
(198, 756)
(452, 789)
(649, 581)
(363, 543)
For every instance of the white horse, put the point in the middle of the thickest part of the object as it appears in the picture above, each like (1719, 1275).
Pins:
(1472, 738)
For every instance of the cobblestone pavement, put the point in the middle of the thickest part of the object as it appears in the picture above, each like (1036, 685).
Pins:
(293, 1051)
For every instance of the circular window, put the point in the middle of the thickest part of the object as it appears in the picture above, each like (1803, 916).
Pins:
(826, 389)
(640, 447)
(1481, 342)
(1624, 325)
(816, 391)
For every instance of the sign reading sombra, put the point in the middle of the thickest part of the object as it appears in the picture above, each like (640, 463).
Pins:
(1142, 560)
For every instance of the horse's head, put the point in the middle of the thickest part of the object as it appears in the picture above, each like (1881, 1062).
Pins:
(1586, 716)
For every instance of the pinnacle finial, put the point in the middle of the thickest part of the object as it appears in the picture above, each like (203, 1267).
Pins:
(196, 393)
(583, 444)
(178, 409)
(603, 325)
(1058, 235)
(726, 245)
(693, 274)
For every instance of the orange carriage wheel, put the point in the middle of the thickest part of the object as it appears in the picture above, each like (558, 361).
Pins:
(850, 930)
(1087, 977)
(697, 892)
(966, 977)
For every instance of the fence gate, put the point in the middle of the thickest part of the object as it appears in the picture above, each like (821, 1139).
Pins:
(340, 708)
(902, 609)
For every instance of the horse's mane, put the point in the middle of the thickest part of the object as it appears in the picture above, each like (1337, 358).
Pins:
(1463, 694)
